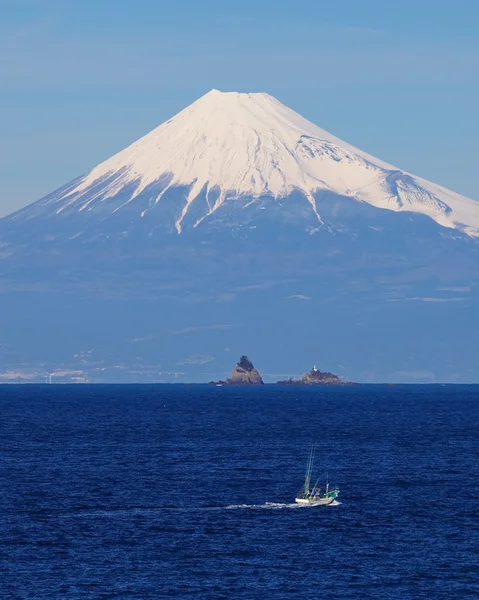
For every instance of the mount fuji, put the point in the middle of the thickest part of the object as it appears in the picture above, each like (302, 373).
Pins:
(231, 153)
(240, 226)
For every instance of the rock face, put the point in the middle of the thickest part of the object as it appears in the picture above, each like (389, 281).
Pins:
(244, 374)
(316, 377)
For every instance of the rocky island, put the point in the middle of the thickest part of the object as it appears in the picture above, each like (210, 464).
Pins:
(243, 374)
(316, 377)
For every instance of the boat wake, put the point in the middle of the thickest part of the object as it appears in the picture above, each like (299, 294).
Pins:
(275, 506)
(145, 511)
(265, 506)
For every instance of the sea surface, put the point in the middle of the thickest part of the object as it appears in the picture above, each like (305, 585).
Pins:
(139, 492)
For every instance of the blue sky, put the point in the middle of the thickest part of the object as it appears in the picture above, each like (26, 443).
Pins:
(79, 81)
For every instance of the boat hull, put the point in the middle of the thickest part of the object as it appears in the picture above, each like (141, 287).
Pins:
(314, 501)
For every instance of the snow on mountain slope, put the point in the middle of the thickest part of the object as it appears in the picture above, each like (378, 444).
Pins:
(232, 145)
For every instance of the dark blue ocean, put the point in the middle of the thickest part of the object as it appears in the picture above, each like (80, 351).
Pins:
(139, 492)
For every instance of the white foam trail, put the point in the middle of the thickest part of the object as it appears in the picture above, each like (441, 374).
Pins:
(277, 505)
(146, 511)
(266, 505)
(273, 506)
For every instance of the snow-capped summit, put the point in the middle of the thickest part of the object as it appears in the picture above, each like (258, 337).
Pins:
(227, 146)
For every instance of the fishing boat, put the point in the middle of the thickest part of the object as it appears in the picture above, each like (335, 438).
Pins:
(312, 495)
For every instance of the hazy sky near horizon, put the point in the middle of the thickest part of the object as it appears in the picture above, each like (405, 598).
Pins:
(79, 81)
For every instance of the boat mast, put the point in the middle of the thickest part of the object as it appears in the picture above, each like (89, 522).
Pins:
(309, 469)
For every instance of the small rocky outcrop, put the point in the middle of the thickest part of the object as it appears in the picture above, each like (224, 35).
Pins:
(243, 374)
(315, 377)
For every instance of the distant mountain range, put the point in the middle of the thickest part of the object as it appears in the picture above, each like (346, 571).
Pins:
(238, 226)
